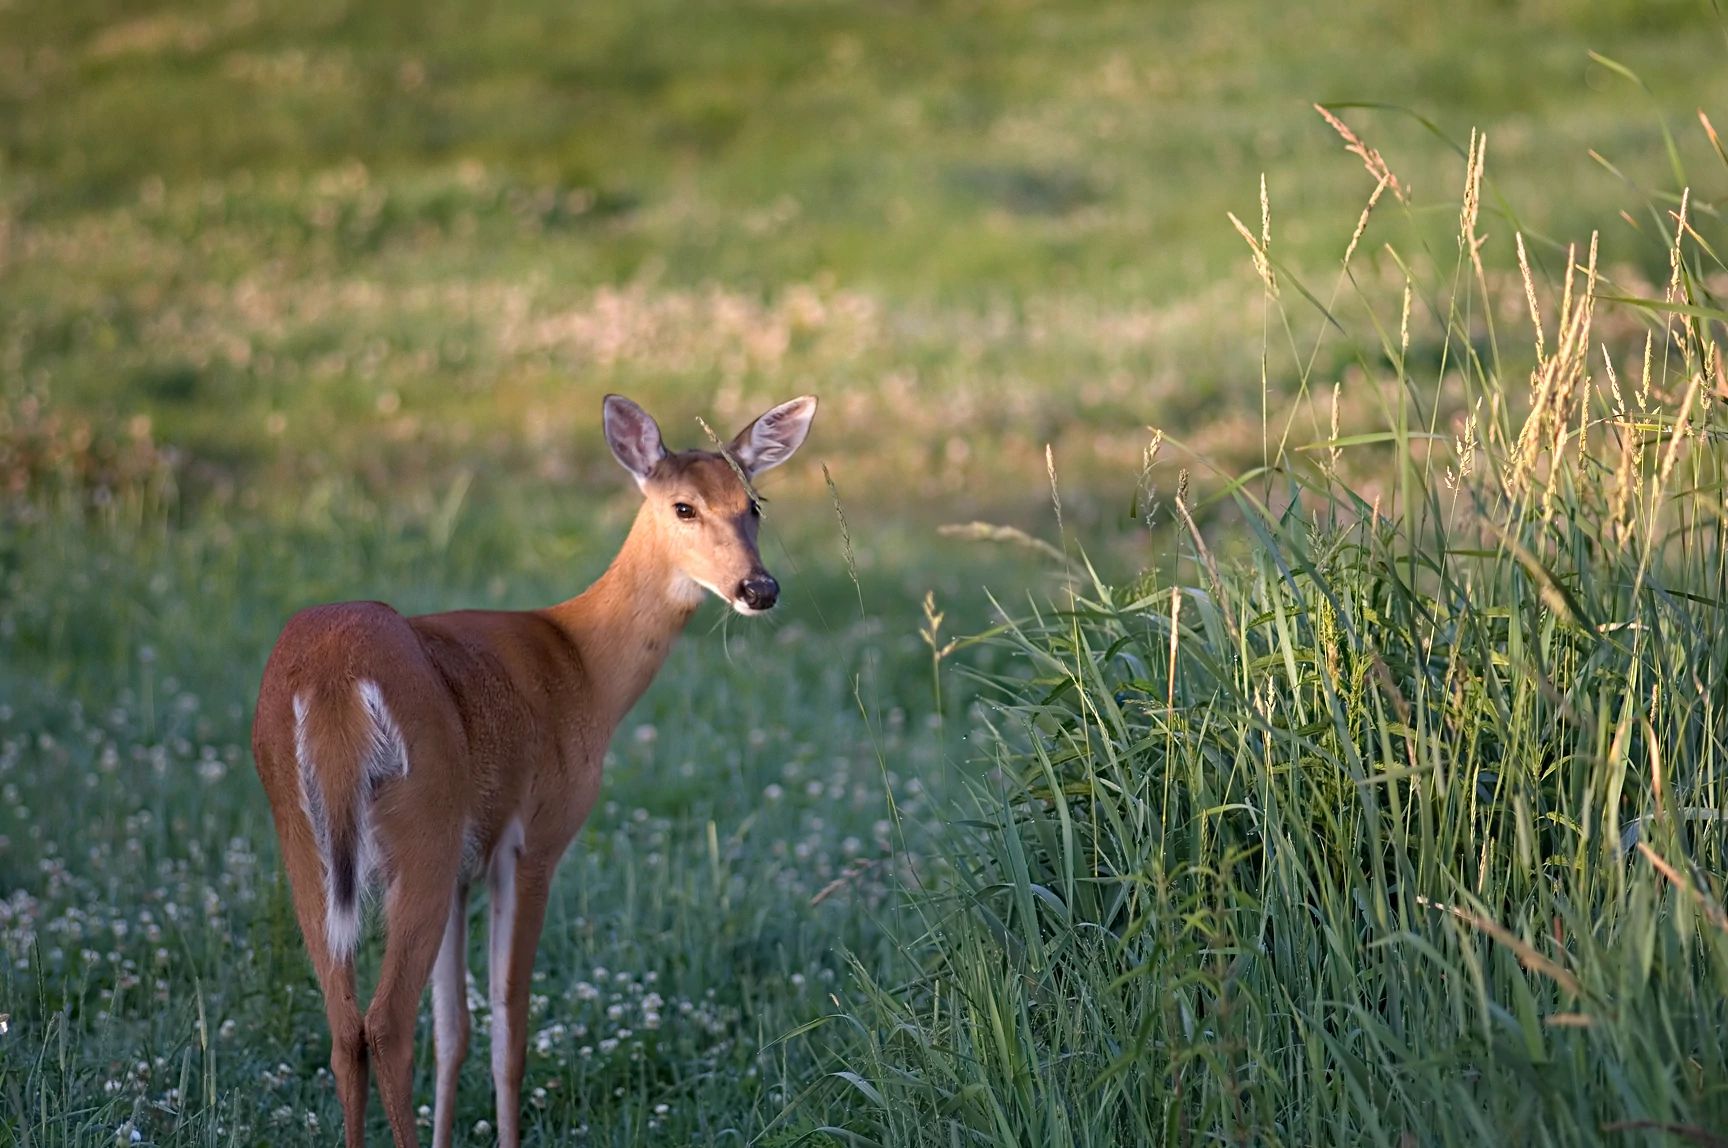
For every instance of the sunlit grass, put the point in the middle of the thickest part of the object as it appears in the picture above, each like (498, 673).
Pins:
(1392, 818)
(1371, 795)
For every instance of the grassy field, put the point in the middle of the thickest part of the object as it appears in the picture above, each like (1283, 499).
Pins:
(1372, 799)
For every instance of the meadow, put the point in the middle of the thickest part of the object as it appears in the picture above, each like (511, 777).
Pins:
(1249, 677)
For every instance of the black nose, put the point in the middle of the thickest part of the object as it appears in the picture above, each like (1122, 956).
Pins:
(759, 591)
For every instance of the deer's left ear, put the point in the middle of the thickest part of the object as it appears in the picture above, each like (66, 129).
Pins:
(771, 439)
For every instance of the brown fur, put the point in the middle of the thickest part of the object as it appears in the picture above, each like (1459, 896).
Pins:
(505, 717)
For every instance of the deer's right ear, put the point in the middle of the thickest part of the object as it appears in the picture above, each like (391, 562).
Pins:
(634, 437)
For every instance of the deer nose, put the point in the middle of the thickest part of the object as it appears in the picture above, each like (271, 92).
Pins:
(759, 591)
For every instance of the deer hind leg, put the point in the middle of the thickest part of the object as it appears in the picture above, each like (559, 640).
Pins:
(518, 893)
(417, 910)
(348, 1046)
(422, 856)
(347, 1050)
(335, 971)
(450, 1014)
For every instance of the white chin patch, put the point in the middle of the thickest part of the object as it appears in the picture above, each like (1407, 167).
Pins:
(688, 591)
(745, 608)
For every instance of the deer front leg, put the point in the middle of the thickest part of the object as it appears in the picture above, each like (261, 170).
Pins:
(519, 892)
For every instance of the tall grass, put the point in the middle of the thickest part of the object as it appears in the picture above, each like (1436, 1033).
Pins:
(1402, 821)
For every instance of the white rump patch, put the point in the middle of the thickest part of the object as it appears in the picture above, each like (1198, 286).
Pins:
(385, 758)
(389, 755)
(311, 796)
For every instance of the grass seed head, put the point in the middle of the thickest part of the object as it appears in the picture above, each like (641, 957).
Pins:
(1371, 159)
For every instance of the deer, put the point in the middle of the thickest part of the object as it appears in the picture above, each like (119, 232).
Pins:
(414, 756)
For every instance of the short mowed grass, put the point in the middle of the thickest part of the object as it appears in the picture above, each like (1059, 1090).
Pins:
(1341, 762)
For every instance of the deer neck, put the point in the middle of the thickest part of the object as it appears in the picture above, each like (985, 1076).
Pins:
(624, 624)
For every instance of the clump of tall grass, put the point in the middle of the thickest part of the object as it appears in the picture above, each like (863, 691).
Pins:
(1401, 820)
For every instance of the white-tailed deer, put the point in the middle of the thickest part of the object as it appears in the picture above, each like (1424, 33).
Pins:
(417, 754)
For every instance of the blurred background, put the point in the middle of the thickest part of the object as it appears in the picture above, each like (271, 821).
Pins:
(318, 300)
(327, 250)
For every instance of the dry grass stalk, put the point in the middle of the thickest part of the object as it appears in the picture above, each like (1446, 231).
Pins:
(1614, 392)
(1560, 384)
(1467, 237)
(1333, 453)
(1715, 140)
(1629, 469)
(1262, 264)
(1696, 382)
(1466, 449)
(1207, 561)
(1658, 798)
(1371, 159)
(850, 875)
(1676, 264)
(1644, 378)
(1175, 633)
(1530, 296)
(1143, 485)
(1055, 488)
(1404, 326)
(1526, 953)
(1265, 216)
(1712, 910)
(1362, 223)
(1683, 421)
(991, 532)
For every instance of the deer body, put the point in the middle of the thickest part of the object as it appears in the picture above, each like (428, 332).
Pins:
(418, 755)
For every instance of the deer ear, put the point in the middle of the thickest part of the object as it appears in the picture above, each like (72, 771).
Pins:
(771, 439)
(633, 436)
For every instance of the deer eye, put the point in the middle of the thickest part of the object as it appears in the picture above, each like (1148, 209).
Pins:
(684, 510)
